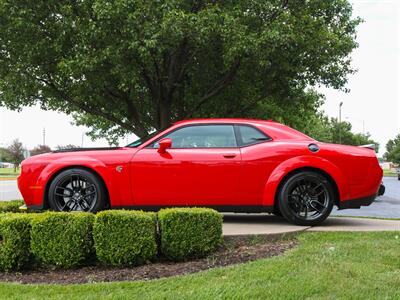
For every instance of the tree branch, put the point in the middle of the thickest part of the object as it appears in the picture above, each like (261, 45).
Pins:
(222, 83)
(85, 107)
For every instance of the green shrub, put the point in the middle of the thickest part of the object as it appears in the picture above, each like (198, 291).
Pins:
(124, 237)
(11, 206)
(189, 232)
(62, 239)
(14, 241)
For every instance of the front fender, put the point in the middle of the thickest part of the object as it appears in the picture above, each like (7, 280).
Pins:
(77, 161)
(305, 161)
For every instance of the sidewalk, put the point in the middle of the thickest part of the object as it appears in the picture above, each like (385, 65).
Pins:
(242, 224)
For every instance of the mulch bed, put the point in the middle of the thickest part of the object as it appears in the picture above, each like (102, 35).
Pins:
(236, 250)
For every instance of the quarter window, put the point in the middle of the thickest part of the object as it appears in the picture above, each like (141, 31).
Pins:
(202, 136)
(250, 135)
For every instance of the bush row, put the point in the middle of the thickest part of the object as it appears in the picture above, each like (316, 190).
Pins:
(11, 206)
(113, 237)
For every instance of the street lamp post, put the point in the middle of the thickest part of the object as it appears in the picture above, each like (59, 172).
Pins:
(44, 136)
(340, 122)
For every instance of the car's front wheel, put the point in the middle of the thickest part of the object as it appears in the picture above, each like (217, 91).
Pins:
(77, 190)
(306, 198)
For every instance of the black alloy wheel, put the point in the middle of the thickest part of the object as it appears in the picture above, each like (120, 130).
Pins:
(306, 198)
(77, 190)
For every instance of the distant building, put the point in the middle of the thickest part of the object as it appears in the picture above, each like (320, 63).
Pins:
(387, 165)
(6, 165)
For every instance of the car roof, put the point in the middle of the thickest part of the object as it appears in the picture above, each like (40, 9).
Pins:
(222, 120)
(272, 128)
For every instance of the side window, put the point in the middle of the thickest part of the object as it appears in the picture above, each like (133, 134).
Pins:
(202, 136)
(250, 135)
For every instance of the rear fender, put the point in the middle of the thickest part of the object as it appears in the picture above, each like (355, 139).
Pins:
(292, 164)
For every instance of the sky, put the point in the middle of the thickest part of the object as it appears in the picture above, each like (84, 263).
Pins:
(372, 105)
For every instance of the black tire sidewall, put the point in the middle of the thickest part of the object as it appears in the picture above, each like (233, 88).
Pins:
(101, 191)
(283, 198)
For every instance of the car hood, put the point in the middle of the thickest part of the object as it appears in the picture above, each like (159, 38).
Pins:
(85, 149)
(73, 153)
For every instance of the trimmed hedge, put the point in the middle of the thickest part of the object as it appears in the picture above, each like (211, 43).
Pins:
(11, 206)
(125, 237)
(62, 239)
(14, 241)
(189, 232)
(117, 237)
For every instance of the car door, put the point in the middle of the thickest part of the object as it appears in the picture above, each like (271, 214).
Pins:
(201, 168)
(259, 159)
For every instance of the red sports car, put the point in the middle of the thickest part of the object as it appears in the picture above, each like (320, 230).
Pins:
(232, 165)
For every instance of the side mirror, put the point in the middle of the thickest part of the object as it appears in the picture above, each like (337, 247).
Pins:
(164, 144)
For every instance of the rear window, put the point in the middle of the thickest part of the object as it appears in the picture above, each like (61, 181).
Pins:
(250, 135)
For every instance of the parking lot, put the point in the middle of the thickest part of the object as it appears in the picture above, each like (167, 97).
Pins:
(386, 206)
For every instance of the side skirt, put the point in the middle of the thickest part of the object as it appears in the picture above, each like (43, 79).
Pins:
(220, 208)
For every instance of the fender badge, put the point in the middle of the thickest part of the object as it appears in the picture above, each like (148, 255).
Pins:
(119, 169)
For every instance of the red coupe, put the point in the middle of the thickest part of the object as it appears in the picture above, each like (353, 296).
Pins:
(232, 165)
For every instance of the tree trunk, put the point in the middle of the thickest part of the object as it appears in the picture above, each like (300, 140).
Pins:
(164, 114)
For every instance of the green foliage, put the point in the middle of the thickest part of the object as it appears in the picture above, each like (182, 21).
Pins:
(11, 206)
(62, 239)
(125, 237)
(4, 155)
(189, 232)
(328, 130)
(393, 150)
(15, 150)
(40, 149)
(173, 59)
(68, 146)
(14, 241)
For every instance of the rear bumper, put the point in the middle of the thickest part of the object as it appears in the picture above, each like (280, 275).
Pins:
(381, 190)
(357, 203)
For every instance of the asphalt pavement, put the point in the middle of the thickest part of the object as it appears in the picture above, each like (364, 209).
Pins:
(9, 190)
(386, 206)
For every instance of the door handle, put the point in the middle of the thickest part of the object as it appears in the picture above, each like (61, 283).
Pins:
(230, 155)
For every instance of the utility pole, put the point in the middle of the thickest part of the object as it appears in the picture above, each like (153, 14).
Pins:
(340, 122)
(44, 136)
(363, 126)
(83, 134)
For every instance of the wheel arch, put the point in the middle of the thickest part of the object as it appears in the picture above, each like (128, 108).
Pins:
(302, 163)
(77, 166)
(312, 169)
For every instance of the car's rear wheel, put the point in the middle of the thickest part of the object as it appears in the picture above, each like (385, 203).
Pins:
(306, 198)
(77, 190)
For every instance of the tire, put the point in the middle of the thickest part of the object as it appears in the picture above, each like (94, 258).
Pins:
(77, 189)
(306, 198)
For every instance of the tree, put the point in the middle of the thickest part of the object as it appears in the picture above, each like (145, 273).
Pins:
(16, 151)
(40, 149)
(4, 155)
(393, 150)
(69, 146)
(136, 66)
(327, 130)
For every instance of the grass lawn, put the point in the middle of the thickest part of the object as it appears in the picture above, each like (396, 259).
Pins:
(8, 173)
(389, 173)
(324, 266)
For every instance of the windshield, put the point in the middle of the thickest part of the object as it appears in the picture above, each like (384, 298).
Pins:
(141, 141)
